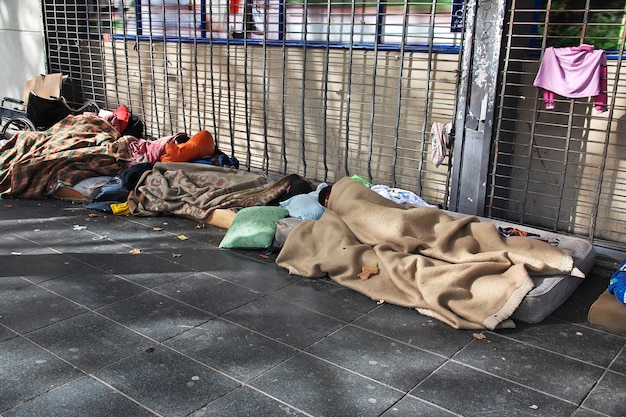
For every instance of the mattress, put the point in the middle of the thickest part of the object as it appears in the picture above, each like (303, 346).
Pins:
(552, 290)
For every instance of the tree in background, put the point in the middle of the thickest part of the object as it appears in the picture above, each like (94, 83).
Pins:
(603, 28)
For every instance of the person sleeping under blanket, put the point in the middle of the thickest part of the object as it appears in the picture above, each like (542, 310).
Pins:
(457, 270)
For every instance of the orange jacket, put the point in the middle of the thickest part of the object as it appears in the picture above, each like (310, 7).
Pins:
(198, 146)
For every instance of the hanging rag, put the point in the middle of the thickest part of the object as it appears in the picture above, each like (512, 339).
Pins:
(574, 72)
(440, 142)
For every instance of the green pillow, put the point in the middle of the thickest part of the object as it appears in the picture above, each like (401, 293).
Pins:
(253, 227)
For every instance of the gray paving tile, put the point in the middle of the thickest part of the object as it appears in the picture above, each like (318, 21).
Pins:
(49, 231)
(138, 264)
(93, 288)
(246, 402)
(232, 349)
(13, 283)
(583, 412)
(14, 245)
(155, 277)
(469, 392)
(155, 316)
(192, 255)
(158, 230)
(79, 398)
(95, 250)
(379, 358)
(31, 308)
(254, 274)
(410, 406)
(121, 259)
(326, 297)
(39, 265)
(27, 371)
(580, 342)
(152, 234)
(166, 382)
(89, 341)
(6, 334)
(119, 227)
(533, 367)
(283, 321)
(209, 293)
(322, 389)
(619, 365)
(408, 326)
(609, 396)
(45, 208)
(14, 219)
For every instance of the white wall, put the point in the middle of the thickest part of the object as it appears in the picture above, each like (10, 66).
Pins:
(22, 46)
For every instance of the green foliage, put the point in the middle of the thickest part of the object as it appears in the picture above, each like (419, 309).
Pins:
(603, 28)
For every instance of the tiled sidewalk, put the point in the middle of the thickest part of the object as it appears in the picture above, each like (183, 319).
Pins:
(123, 316)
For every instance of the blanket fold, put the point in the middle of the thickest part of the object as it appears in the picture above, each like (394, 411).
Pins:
(457, 270)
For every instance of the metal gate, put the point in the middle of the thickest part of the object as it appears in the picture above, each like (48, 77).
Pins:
(561, 168)
(324, 89)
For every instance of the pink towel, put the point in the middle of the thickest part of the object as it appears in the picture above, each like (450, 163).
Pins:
(574, 73)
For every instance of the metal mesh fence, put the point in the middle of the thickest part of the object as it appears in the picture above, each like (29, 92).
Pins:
(319, 88)
(561, 168)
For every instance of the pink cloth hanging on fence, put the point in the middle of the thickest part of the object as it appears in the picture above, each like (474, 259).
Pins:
(574, 72)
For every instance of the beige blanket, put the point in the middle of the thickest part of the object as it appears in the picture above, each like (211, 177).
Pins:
(457, 270)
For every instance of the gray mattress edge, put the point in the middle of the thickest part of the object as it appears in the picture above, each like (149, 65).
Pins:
(551, 291)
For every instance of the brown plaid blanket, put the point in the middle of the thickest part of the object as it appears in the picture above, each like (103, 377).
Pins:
(34, 164)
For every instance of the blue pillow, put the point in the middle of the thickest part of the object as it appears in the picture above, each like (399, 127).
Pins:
(303, 206)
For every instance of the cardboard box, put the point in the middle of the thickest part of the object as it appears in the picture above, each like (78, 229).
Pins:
(45, 86)
(607, 312)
